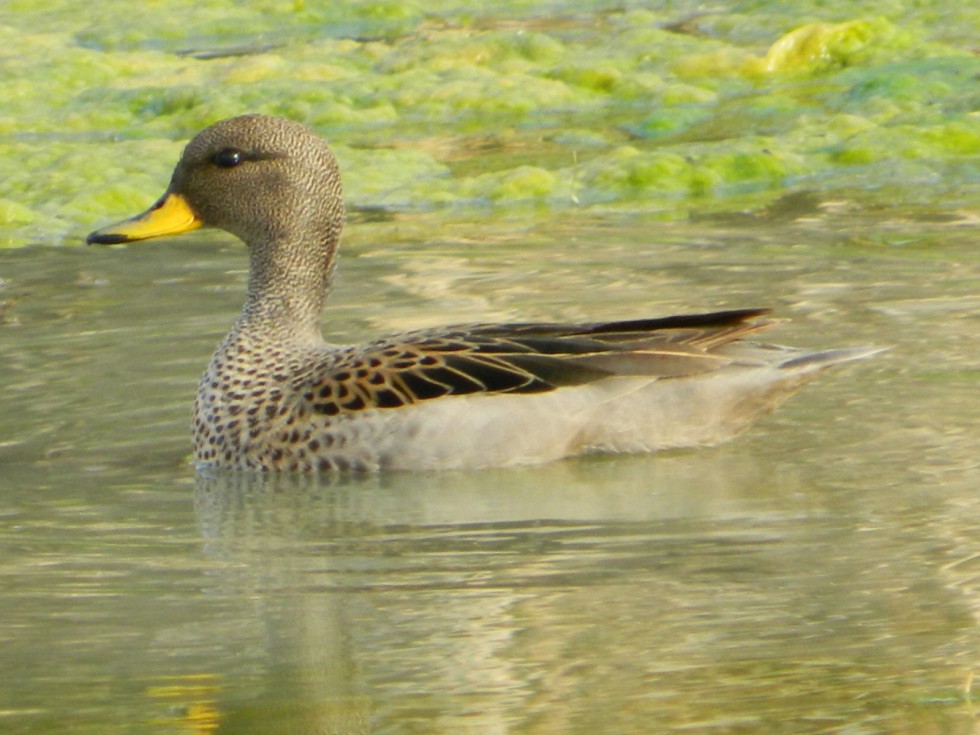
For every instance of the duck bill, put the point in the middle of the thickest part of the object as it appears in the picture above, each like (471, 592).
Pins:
(171, 215)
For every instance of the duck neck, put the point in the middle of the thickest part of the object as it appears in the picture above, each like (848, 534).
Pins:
(287, 285)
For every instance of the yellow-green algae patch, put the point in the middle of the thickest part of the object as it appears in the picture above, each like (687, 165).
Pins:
(560, 105)
(817, 46)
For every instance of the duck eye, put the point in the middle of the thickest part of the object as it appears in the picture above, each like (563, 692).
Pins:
(227, 158)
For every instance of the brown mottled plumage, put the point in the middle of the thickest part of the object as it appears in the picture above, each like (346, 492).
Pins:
(277, 397)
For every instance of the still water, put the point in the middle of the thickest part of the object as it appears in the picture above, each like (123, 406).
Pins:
(818, 575)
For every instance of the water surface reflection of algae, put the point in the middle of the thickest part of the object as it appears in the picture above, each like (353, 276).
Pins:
(193, 702)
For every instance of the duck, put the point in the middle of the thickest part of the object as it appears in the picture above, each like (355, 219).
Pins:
(277, 397)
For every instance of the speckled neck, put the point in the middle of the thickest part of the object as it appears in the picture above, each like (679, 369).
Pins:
(288, 283)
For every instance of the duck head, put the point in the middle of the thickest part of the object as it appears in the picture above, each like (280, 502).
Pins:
(264, 179)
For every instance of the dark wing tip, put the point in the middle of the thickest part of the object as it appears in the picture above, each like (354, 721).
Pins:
(680, 321)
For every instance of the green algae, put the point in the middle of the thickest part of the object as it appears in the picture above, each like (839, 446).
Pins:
(650, 110)
(822, 46)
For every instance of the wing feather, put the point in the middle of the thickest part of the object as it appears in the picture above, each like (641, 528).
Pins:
(521, 358)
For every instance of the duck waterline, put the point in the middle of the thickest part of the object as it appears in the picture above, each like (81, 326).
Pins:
(276, 396)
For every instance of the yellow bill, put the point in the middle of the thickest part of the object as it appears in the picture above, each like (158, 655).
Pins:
(169, 216)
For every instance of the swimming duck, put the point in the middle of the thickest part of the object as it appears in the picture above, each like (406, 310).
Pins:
(276, 396)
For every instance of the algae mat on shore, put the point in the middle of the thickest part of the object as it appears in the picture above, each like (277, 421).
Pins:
(454, 112)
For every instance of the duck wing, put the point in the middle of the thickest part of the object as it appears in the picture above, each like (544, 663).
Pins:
(405, 369)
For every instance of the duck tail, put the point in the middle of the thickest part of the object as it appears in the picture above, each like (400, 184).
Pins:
(812, 361)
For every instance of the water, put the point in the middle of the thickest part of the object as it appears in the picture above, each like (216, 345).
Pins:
(818, 575)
